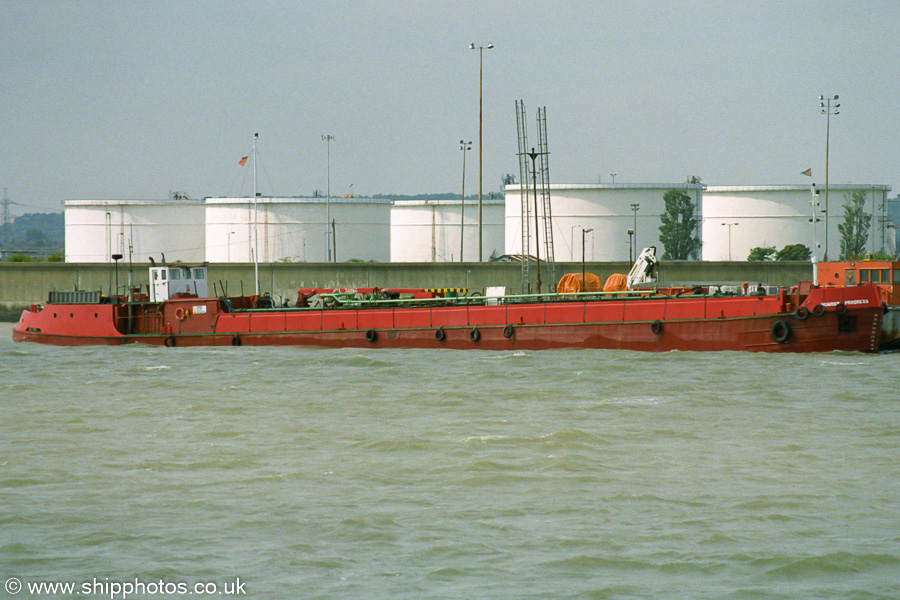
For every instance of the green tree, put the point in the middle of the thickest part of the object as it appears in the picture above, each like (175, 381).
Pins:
(677, 233)
(761, 253)
(793, 252)
(855, 228)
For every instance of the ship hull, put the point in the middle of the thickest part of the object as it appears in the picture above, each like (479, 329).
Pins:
(830, 319)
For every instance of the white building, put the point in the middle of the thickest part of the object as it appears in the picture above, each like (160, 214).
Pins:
(609, 211)
(97, 229)
(294, 229)
(429, 230)
(779, 215)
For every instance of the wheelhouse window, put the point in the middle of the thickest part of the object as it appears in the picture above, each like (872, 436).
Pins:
(864, 276)
(885, 276)
(199, 274)
(174, 274)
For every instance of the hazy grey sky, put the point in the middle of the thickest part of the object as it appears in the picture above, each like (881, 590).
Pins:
(127, 99)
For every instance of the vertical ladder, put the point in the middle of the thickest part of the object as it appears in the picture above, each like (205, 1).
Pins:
(523, 196)
(544, 182)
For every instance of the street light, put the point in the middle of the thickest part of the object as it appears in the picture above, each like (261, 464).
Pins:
(480, 49)
(827, 109)
(117, 258)
(327, 139)
(584, 232)
(465, 147)
(814, 201)
(729, 225)
(635, 207)
(630, 245)
(613, 175)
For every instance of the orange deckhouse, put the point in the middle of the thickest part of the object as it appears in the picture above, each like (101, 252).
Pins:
(881, 273)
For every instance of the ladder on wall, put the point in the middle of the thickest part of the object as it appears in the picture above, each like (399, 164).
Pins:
(523, 196)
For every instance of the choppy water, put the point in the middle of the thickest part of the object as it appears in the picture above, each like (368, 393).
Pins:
(312, 473)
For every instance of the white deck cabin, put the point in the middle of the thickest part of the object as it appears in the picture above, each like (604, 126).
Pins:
(166, 281)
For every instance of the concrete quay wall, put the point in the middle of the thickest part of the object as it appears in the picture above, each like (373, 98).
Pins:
(22, 284)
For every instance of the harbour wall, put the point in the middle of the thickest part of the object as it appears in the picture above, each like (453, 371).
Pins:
(22, 284)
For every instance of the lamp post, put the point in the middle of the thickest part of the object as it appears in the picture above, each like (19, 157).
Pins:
(327, 139)
(480, 122)
(634, 208)
(814, 201)
(613, 175)
(117, 258)
(465, 147)
(729, 225)
(828, 109)
(584, 232)
(630, 245)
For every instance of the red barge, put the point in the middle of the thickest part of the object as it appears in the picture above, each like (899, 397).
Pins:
(804, 318)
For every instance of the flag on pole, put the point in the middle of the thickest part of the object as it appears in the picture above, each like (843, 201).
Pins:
(243, 161)
(807, 172)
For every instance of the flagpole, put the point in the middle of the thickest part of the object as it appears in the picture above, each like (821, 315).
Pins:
(255, 220)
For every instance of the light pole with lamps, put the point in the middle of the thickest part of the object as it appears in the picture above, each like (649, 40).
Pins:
(814, 201)
(729, 225)
(584, 232)
(465, 147)
(327, 139)
(480, 49)
(613, 175)
(828, 109)
(634, 208)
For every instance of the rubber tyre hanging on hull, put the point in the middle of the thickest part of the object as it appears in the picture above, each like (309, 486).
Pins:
(656, 327)
(474, 334)
(169, 341)
(508, 331)
(818, 310)
(235, 340)
(802, 313)
(841, 308)
(371, 335)
(439, 334)
(781, 331)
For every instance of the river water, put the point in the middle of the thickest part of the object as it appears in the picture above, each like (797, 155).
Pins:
(314, 473)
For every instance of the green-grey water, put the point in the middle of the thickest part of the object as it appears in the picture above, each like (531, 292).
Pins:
(315, 473)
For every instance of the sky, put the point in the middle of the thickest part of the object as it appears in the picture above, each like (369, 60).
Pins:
(139, 99)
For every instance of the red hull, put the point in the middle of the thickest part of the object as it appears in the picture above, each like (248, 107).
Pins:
(850, 321)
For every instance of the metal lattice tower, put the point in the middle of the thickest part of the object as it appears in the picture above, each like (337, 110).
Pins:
(544, 182)
(523, 195)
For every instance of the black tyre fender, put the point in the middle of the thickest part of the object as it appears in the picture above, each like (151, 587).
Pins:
(474, 334)
(235, 340)
(841, 308)
(371, 335)
(169, 341)
(802, 313)
(656, 326)
(818, 310)
(781, 331)
(439, 334)
(508, 331)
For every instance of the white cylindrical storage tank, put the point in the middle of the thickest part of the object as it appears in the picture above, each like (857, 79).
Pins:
(607, 210)
(429, 230)
(781, 215)
(96, 229)
(294, 229)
